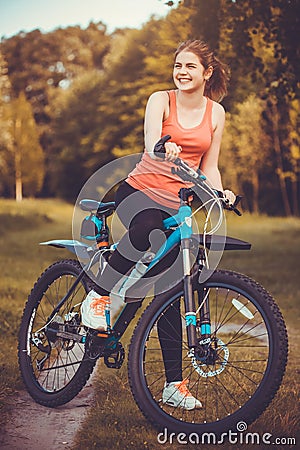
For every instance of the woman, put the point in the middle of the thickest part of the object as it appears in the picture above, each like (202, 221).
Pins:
(195, 121)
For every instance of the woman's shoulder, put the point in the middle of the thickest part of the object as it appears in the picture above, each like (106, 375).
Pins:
(218, 108)
(160, 96)
(159, 101)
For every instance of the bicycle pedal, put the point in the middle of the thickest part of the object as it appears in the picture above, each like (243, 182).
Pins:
(102, 334)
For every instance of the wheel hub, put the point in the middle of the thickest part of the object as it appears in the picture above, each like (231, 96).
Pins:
(209, 361)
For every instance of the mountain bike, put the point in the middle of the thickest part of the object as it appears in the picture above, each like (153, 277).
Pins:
(233, 336)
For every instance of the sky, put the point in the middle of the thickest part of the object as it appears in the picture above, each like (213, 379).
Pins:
(27, 15)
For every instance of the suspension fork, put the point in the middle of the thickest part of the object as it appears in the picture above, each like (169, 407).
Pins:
(203, 302)
(192, 325)
(184, 213)
(190, 313)
(189, 300)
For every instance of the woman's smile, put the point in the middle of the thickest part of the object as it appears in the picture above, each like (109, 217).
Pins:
(184, 79)
(188, 71)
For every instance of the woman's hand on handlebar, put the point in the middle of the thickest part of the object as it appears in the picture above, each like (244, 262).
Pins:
(172, 151)
(229, 196)
(168, 151)
(230, 200)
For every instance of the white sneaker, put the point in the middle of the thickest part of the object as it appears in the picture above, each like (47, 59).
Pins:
(176, 394)
(93, 311)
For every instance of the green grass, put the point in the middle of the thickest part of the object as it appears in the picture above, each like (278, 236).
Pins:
(22, 226)
(115, 421)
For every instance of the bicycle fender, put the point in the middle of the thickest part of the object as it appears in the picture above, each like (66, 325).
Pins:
(219, 243)
(73, 246)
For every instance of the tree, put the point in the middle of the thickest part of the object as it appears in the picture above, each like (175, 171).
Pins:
(88, 89)
(77, 123)
(259, 38)
(293, 143)
(44, 64)
(26, 153)
(6, 141)
(40, 61)
(246, 148)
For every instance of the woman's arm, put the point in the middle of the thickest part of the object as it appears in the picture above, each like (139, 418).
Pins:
(156, 110)
(209, 162)
(154, 116)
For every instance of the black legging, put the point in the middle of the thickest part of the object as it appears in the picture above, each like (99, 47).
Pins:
(144, 220)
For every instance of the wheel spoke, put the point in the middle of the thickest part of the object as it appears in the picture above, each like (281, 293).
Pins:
(226, 377)
(53, 371)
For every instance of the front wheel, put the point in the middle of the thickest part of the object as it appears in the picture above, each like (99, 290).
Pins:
(235, 374)
(52, 355)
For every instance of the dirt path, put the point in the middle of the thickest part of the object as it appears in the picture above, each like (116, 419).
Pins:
(35, 427)
(32, 426)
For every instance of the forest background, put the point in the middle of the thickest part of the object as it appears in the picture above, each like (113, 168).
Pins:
(73, 99)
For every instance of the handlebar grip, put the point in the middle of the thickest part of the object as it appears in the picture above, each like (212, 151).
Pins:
(236, 211)
(229, 207)
(237, 201)
(159, 148)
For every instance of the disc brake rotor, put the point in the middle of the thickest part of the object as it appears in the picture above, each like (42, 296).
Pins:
(204, 369)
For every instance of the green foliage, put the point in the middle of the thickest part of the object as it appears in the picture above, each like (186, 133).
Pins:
(42, 65)
(25, 156)
(244, 155)
(89, 89)
(257, 40)
(75, 127)
(38, 61)
(6, 140)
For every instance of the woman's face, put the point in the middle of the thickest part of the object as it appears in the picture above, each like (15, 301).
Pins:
(189, 74)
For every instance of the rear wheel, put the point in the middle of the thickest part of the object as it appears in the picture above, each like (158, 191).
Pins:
(235, 375)
(52, 355)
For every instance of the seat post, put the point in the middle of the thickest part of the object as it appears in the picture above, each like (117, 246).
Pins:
(103, 240)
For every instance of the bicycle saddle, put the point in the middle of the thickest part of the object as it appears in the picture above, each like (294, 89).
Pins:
(101, 207)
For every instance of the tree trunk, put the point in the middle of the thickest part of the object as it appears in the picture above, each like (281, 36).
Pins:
(18, 164)
(295, 197)
(277, 147)
(19, 195)
(255, 186)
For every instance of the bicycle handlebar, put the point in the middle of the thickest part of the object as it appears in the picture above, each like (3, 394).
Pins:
(159, 148)
(187, 173)
(229, 207)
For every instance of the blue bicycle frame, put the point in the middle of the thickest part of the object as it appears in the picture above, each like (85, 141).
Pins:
(181, 235)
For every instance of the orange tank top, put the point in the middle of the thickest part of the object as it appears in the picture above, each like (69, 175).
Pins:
(154, 177)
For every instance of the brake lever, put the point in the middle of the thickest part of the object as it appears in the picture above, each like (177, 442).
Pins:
(233, 206)
(226, 204)
(159, 148)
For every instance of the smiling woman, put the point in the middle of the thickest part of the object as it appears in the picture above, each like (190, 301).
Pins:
(149, 195)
